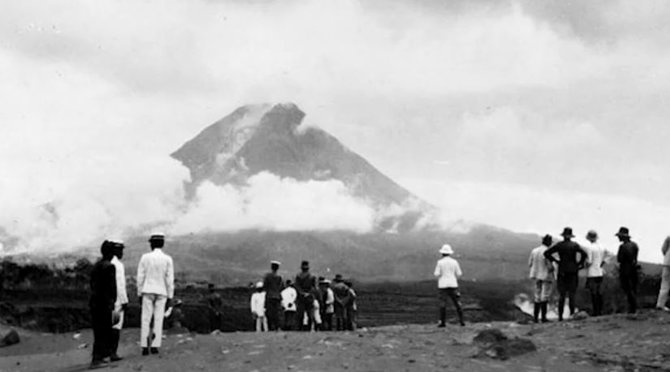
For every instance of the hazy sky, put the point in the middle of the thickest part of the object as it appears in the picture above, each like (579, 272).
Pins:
(523, 114)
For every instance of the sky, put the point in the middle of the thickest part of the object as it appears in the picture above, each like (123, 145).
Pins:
(522, 114)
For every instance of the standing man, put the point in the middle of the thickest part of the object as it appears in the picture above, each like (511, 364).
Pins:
(448, 271)
(542, 272)
(342, 300)
(328, 308)
(155, 286)
(305, 284)
(101, 303)
(568, 269)
(273, 285)
(597, 256)
(288, 299)
(215, 306)
(628, 270)
(121, 297)
(665, 277)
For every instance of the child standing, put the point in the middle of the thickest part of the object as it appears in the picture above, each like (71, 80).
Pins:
(258, 308)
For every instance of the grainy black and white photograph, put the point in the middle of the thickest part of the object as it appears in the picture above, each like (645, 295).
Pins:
(350, 185)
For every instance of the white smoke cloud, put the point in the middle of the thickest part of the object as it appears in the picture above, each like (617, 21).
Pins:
(269, 202)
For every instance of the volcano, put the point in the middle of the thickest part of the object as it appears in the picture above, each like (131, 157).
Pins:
(271, 138)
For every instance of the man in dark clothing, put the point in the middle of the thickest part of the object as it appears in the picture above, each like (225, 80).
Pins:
(273, 285)
(103, 296)
(568, 269)
(215, 305)
(342, 301)
(628, 268)
(305, 285)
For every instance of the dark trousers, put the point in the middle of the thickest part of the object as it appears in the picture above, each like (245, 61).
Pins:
(289, 320)
(566, 284)
(340, 317)
(351, 317)
(327, 321)
(272, 312)
(453, 295)
(305, 304)
(101, 318)
(628, 279)
(593, 285)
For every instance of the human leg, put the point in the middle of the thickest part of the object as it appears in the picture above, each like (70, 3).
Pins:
(665, 288)
(455, 296)
(147, 313)
(159, 311)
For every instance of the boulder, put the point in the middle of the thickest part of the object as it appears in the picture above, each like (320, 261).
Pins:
(581, 315)
(10, 338)
(494, 344)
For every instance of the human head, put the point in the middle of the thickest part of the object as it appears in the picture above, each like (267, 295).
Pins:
(274, 265)
(446, 250)
(107, 250)
(324, 282)
(157, 240)
(259, 287)
(338, 278)
(567, 234)
(118, 246)
(547, 240)
(289, 283)
(210, 287)
(304, 266)
(592, 236)
(623, 234)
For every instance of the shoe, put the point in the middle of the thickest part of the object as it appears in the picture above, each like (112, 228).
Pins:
(663, 308)
(115, 358)
(95, 364)
(441, 325)
(154, 350)
(462, 324)
(145, 351)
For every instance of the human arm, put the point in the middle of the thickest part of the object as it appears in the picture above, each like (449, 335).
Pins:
(438, 270)
(582, 256)
(169, 278)
(109, 281)
(666, 246)
(458, 270)
(121, 293)
(549, 254)
(141, 275)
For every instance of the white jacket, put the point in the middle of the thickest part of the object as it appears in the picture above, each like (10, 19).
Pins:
(665, 249)
(288, 297)
(155, 274)
(448, 271)
(258, 303)
(121, 294)
(597, 256)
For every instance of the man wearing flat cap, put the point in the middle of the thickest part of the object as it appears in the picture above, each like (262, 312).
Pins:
(568, 269)
(273, 285)
(155, 286)
(628, 268)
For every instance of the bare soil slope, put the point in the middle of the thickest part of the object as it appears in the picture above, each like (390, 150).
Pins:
(610, 343)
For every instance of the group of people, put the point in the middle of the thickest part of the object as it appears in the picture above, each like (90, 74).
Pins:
(307, 303)
(570, 257)
(109, 299)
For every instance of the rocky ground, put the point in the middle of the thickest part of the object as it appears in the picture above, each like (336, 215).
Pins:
(609, 343)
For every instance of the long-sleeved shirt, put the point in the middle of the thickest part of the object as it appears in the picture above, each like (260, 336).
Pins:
(103, 285)
(448, 271)
(540, 267)
(288, 297)
(666, 251)
(258, 303)
(121, 294)
(329, 301)
(567, 256)
(155, 274)
(305, 283)
(627, 255)
(597, 256)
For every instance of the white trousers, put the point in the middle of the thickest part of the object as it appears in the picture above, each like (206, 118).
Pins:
(261, 324)
(665, 287)
(153, 305)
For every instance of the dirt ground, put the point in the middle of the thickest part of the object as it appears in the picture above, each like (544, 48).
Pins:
(609, 343)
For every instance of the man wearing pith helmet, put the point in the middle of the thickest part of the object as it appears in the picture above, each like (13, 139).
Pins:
(448, 271)
(155, 286)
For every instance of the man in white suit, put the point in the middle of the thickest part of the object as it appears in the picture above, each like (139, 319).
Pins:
(155, 286)
(121, 297)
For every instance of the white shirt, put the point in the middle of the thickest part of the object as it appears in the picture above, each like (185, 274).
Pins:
(596, 255)
(155, 274)
(258, 303)
(288, 297)
(121, 294)
(448, 271)
(330, 301)
(540, 267)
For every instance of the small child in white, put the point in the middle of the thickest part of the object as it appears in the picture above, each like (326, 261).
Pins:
(258, 308)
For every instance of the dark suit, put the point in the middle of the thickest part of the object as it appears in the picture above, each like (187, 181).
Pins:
(103, 296)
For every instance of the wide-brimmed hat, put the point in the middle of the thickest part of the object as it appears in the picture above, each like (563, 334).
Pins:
(568, 232)
(338, 278)
(446, 249)
(623, 231)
